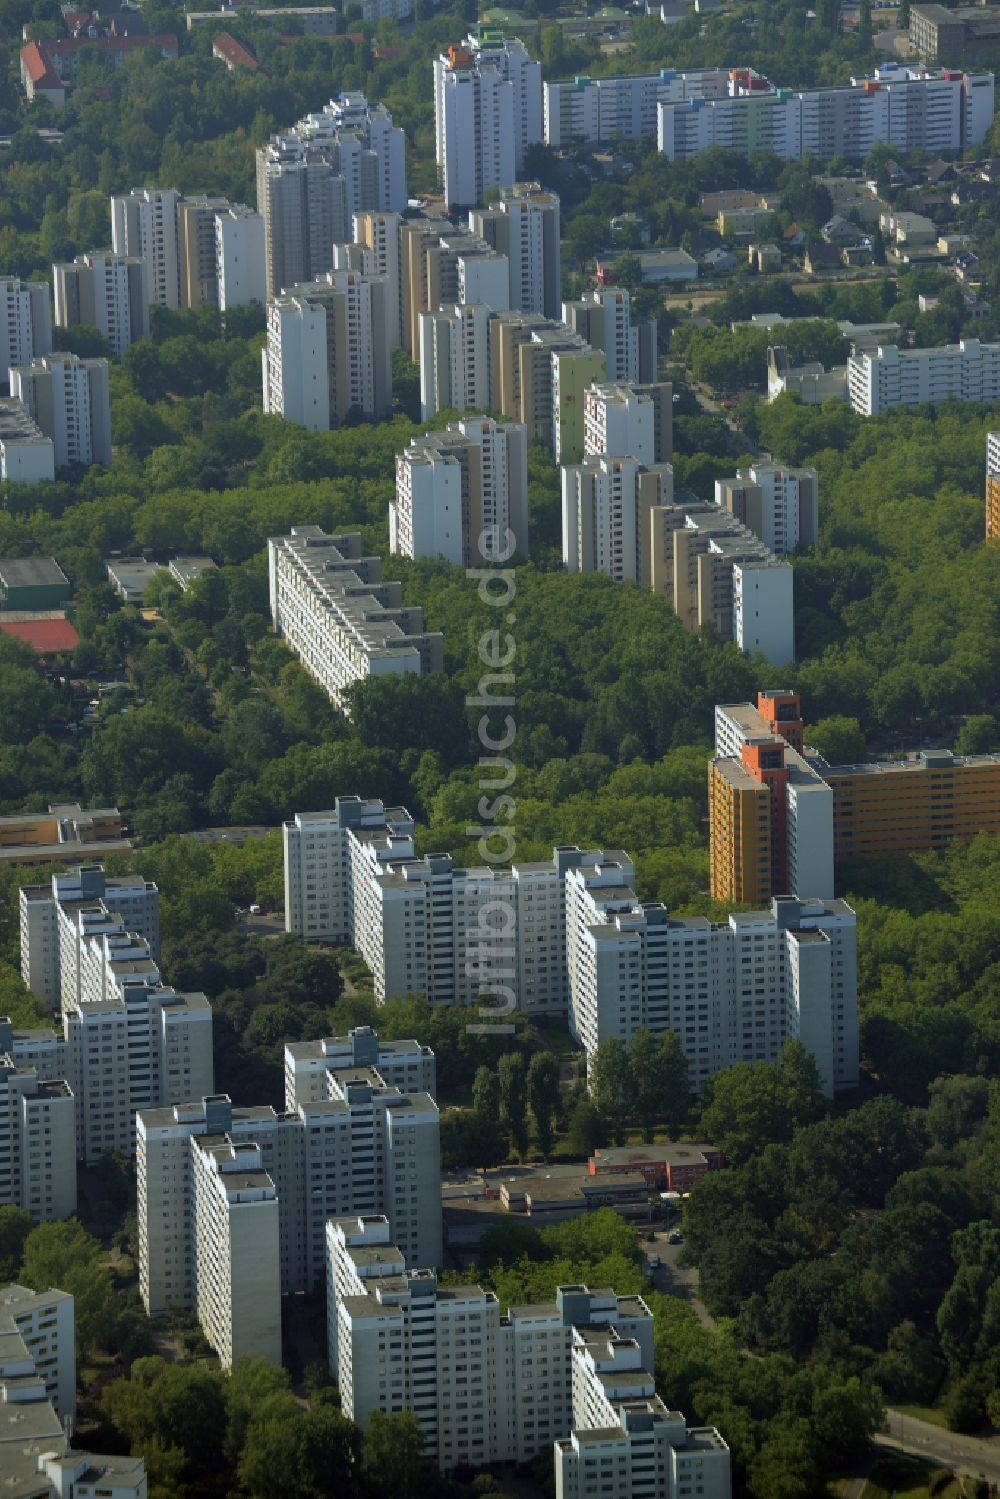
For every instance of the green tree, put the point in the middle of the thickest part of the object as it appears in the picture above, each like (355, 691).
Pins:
(610, 1086)
(543, 1098)
(15, 1226)
(839, 740)
(514, 1098)
(486, 1095)
(393, 1458)
(65, 1257)
(586, 1130)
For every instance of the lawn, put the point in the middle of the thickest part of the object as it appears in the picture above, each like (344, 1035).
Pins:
(895, 1476)
(929, 1413)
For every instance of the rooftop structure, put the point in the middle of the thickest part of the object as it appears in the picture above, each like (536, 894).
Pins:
(62, 835)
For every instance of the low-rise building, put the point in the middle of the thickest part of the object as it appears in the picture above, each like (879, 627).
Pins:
(62, 835)
(810, 381)
(33, 583)
(342, 621)
(187, 570)
(131, 576)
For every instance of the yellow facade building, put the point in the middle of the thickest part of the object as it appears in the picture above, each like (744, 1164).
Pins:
(912, 805)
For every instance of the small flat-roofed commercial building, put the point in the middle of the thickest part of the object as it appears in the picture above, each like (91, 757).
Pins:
(666, 1168)
(187, 570)
(131, 576)
(64, 834)
(33, 583)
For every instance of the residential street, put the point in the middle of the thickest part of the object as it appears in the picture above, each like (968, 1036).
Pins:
(951, 1449)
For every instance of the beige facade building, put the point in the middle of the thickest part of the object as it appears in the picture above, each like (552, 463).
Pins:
(607, 510)
(540, 371)
(104, 291)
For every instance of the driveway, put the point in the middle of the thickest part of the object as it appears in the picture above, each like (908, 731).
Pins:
(674, 1279)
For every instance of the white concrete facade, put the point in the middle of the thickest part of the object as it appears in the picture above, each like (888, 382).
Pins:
(25, 323)
(487, 96)
(27, 456)
(593, 111)
(454, 360)
(341, 631)
(239, 257)
(780, 505)
(309, 1065)
(144, 226)
(524, 225)
(606, 504)
(881, 379)
(732, 992)
(70, 400)
(37, 1138)
(328, 352)
(103, 291)
(43, 1323)
(629, 420)
(462, 493)
(366, 1149)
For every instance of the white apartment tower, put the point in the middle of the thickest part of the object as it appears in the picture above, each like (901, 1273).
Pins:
(104, 291)
(40, 1327)
(604, 319)
(629, 420)
(25, 323)
(341, 620)
(144, 226)
(237, 1275)
(487, 111)
(52, 922)
(524, 225)
(454, 360)
(328, 351)
(239, 257)
(396, 1340)
(311, 181)
(37, 1138)
(70, 400)
(606, 515)
(625, 1443)
(732, 992)
(880, 379)
(462, 494)
(778, 504)
(366, 1149)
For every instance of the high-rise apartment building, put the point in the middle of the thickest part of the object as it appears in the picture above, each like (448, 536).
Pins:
(37, 1137)
(540, 371)
(38, 1406)
(364, 1149)
(377, 234)
(487, 111)
(27, 456)
(70, 400)
(992, 484)
(523, 224)
(352, 875)
(197, 249)
(770, 811)
(881, 379)
(239, 256)
(396, 1339)
(778, 504)
(53, 920)
(25, 323)
(462, 493)
(338, 616)
(607, 506)
(925, 801)
(144, 227)
(604, 318)
(625, 1442)
(731, 992)
(629, 421)
(454, 360)
(328, 351)
(40, 1327)
(309, 1065)
(592, 111)
(713, 570)
(906, 106)
(313, 180)
(104, 291)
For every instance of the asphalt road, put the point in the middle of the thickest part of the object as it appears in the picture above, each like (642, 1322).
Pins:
(673, 1279)
(951, 1449)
